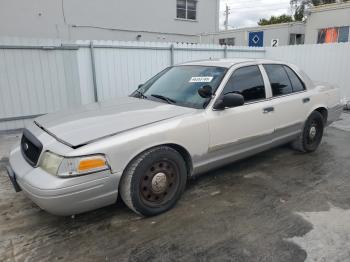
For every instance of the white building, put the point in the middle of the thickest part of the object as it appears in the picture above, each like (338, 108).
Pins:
(324, 24)
(328, 23)
(151, 20)
(278, 34)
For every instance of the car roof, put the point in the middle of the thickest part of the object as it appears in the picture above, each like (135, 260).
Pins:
(228, 62)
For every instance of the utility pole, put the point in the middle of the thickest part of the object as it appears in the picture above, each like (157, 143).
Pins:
(227, 12)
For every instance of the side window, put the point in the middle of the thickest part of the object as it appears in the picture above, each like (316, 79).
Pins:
(297, 85)
(279, 80)
(248, 82)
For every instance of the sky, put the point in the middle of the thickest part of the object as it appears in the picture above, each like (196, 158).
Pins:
(246, 13)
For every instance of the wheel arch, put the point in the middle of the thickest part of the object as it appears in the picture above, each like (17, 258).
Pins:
(323, 111)
(185, 155)
(180, 149)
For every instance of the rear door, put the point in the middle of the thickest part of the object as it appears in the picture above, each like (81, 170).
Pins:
(289, 99)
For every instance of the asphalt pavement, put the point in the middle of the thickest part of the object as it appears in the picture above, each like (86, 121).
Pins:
(280, 205)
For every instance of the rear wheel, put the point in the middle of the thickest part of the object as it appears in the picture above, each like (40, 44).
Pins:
(154, 181)
(311, 136)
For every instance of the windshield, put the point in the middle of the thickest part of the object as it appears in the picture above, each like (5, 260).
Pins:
(179, 85)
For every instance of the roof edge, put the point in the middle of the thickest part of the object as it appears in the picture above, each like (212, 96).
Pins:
(329, 7)
(261, 27)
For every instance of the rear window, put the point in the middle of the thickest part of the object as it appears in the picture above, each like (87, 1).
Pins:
(297, 85)
(279, 80)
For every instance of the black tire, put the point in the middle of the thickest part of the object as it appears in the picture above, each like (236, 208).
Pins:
(311, 136)
(154, 181)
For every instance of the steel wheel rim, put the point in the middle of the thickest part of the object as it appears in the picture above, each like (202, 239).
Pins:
(159, 183)
(313, 133)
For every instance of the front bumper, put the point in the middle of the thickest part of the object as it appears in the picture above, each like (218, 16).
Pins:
(63, 196)
(12, 177)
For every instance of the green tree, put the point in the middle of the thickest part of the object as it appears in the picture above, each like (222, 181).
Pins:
(300, 6)
(276, 20)
(299, 13)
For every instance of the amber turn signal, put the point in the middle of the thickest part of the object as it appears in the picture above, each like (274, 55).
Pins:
(91, 164)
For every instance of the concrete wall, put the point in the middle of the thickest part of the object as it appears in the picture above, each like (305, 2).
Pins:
(154, 20)
(326, 16)
(280, 31)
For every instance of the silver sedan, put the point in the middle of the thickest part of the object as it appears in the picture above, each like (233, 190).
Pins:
(184, 121)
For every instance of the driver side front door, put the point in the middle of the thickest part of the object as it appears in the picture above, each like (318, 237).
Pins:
(247, 128)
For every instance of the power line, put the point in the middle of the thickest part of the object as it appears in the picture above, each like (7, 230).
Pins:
(258, 9)
(257, 6)
(250, 8)
(244, 4)
(248, 1)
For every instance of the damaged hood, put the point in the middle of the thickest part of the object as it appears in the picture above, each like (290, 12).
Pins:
(94, 121)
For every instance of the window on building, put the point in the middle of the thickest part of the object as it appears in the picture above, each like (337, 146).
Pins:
(248, 82)
(333, 35)
(227, 41)
(279, 80)
(296, 39)
(186, 9)
(343, 35)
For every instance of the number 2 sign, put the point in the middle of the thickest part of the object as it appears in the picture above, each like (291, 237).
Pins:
(274, 42)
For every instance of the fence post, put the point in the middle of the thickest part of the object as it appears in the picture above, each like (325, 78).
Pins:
(172, 54)
(225, 51)
(93, 69)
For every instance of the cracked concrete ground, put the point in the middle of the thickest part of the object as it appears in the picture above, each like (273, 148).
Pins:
(280, 205)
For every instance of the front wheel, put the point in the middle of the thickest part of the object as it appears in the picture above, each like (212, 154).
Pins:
(311, 136)
(154, 181)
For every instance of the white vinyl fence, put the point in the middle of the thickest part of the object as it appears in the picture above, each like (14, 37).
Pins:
(121, 66)
(41, 76)
(325, 63)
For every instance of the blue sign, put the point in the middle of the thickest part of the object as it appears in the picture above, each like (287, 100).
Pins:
(256, 39)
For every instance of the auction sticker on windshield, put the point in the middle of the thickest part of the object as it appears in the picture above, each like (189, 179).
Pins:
(201, 79)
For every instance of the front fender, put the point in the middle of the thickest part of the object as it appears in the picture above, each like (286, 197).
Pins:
(190, 133)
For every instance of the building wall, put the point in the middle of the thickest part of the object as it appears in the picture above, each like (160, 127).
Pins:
(324, 17)
(154, 20)
(280, 31)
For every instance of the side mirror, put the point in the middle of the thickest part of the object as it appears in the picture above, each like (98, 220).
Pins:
(229, 100)
(205, 91)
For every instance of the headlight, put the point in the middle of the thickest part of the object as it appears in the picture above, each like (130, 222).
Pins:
(50, 162)
(72, 166)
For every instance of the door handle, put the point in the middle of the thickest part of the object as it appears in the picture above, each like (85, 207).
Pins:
(306, 100)
(268, 109)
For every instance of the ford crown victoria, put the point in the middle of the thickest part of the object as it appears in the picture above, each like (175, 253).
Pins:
(184, 121)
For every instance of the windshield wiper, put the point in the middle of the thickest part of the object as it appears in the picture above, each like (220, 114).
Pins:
(169, 100)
